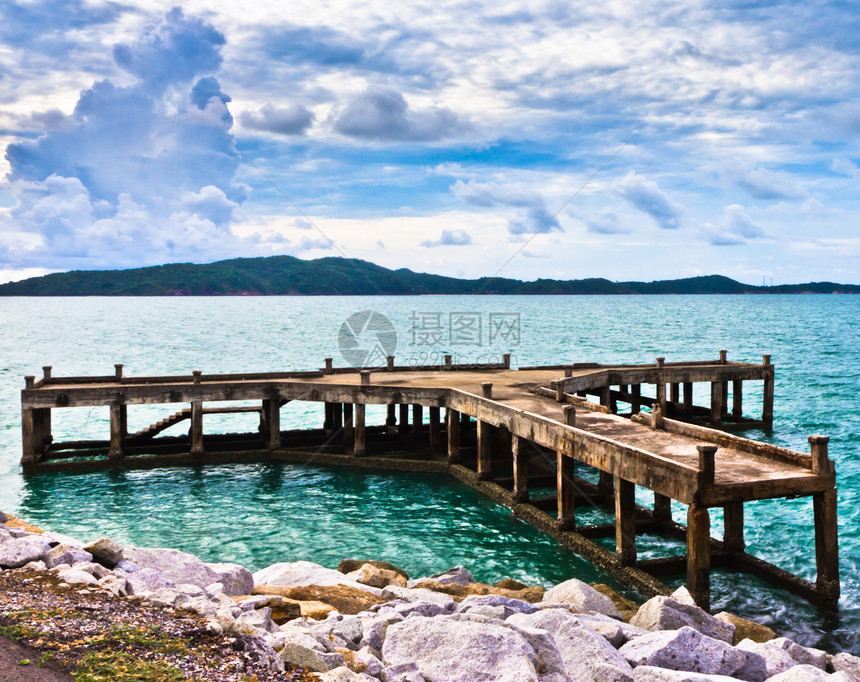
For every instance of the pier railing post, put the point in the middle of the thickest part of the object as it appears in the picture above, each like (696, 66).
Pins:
(821, 463)
(707, 463)
(656, 416)
(447, 360)
(625, 521)
(519, 452)
(329, 365)
(118, 372)
(506, 360)
(724, 357)
(767, 399)
(389, 363)
(453, 418)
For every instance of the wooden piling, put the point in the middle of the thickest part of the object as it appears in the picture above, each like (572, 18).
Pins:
(826, 548)
(391, 418)
(733, 520)
(737, 399)
(699, 555)
(403, 424)
(717, 403)
(348, 426)
(662, 508)
(196, 428)
(688, 399)
(767, 398)
(636, 405)
(453, 426)
(520, 454)
(417, 423)
(435, 430)
(485, 451)
(565, 472)
(625, 522)
(359, 446)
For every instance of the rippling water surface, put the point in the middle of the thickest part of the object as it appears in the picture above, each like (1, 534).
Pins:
(259, 514)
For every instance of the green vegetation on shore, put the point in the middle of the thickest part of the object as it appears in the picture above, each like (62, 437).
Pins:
(286, 275)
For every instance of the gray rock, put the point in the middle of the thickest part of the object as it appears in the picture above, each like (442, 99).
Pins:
(35, 566)
(345, 632)
(300, 573)
(21, 533)
(457, 575)
(583, 596)
(664, 613)
(647, 673)
(682, 596)
(548, 658)
(66, 554)
(366, 656)
(616, 632)
(5, 534)
(405, 672)
(115, 584)
(105, 551)
(494, 612)
(96, 570)
(74, 576)
(450, 650)
(846, 663)
(178, 567)
(802, 655)
(214, 588)
(168, 596)
(776, 659)
(580, 648)
(688, 649)
(421, 608)
(23, 550)
(511, 606)
(306, 656)
(375, 629)
(258, 651)
(344, 674)
(237, 580)
(257, 619)
(145, 580)
(446, 601)
(801, 673)
(842, 676)
(127, 566)
(59, 539)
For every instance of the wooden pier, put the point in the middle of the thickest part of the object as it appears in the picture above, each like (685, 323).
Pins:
(529, 438)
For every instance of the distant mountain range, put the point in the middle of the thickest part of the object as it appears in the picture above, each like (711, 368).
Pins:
(286, 275)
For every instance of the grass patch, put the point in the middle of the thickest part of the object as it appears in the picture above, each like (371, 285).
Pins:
(107, 666)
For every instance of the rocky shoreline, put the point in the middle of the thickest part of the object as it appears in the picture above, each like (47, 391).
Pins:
(368, 621)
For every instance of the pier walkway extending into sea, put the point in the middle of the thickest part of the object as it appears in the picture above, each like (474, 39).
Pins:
(509, 433)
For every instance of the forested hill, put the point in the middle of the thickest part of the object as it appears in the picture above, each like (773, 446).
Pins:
(286, 275)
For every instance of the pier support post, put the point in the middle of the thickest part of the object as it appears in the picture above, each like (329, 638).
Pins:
(453, 418)
(391, 418)
(733, 520)
(403, 425)
(485, 450)
(675, 393)
(417, 423)
(688, 399)
(328, 423)
(661, 396)
(717, 399)
(272, 420)
(519, 452)
(337, 417)
(605, 393)
(625, 522)
(196, 428)
(27, 436)
(699, 555)
(826, 548)
(767, 402)
(737, 399)
(359, 447)
(435, 432)
(636, 405)
(118, 429)
(348, 426)
(565, 471)
(606, 486)
(662, 508)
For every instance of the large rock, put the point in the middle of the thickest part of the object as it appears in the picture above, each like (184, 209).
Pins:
(66, 554)
(801, 673)
(625, 606)
(802, 655)
(581, 648)
(449, 650)
(178, 567)
(583, 596)
(776, 659)
(417, 594)
(846, 663)
(747, 629)
(647, 673)
(281, 609)
(237, 580)
(510, 606)
(374, 576)
(457, 575)
(301, 573)
(23, 550)
(105, 551)
(145, 580)
(689, 650)
(664, 613)
(532, 594)
(308, 652)
(350, 565)
(345, 598)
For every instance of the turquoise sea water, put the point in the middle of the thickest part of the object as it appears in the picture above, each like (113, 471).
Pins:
(259, 514)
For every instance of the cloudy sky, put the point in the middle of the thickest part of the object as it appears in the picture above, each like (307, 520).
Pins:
(627, 139)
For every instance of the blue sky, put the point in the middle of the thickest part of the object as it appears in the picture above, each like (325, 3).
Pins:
(623, 139)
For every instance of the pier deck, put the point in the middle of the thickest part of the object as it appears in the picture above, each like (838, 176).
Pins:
(504, 431)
